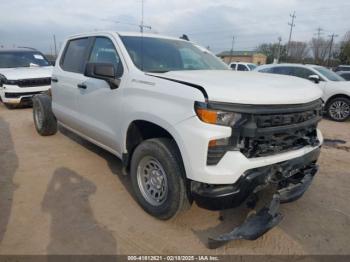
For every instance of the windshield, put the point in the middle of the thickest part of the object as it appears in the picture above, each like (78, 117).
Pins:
(331, 76)
(22, 59)
(251, 66)
(151, 54)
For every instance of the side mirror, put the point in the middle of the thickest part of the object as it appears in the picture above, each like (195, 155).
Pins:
(103, 71)
(314, 78)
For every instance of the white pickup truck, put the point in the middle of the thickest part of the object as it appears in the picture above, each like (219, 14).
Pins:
(186, 127)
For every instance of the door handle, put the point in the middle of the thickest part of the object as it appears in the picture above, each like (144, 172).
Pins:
(54, 79)
(82, 86)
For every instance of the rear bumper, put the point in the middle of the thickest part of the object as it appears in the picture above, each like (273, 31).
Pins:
(292, 178)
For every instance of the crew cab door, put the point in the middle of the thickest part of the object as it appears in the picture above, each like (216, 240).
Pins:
(67, 74)
(98, 105)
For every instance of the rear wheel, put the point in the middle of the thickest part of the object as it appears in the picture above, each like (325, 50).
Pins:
(44, 119)
(158, 178)
(339, 109)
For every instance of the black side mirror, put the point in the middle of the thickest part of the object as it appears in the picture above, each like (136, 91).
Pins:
(314, 78)
(103, 71)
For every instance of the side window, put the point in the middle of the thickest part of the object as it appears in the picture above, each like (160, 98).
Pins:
(104, 52)
(302, 72)
(75, 55)
(346, 76)
(242, 67)
(282, 70)
(266, 70)
(233, 66)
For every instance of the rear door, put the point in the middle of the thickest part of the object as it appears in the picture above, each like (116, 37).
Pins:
(68, 73)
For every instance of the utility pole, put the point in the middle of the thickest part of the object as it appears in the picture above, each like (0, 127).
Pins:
(292, 24)
(319, 32)
(279, 49)
(142, 26)
(318, 44)
(55, 46)
(233, 41)
(330, 47)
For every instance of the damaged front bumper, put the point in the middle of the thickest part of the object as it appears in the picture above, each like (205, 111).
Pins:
(292, 178)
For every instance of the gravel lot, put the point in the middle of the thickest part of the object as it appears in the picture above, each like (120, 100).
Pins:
(63, 195)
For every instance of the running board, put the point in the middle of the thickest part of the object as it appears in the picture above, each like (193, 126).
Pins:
(254, 226)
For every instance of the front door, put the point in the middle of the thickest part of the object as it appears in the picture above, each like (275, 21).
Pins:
(100, 106)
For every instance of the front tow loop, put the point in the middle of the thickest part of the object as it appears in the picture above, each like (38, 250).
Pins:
(254, 226)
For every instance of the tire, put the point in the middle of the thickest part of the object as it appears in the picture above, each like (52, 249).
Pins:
(165, 162)
(338, 109)
(44, 120)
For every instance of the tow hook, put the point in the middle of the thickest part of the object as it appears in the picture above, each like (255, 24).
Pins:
(254, 226)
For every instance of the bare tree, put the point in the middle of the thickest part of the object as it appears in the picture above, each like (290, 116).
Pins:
(298, 51)
(320, 49)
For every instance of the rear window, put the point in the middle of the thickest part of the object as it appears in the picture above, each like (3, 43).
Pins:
(74, 58)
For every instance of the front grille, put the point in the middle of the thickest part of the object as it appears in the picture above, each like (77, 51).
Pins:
(34, 82)
(265, 130)
(274, 133)
(278, 142)
(17, 95)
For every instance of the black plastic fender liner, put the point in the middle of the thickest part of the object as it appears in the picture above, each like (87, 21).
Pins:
(254, 226)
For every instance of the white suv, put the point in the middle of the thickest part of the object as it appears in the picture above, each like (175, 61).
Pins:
(24, 72)
(336, 90)
(186, 127)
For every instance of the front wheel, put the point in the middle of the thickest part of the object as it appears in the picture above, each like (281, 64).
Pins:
(158, 178)
(339, 109)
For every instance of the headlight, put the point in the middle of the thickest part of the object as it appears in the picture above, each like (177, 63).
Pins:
(216, 117)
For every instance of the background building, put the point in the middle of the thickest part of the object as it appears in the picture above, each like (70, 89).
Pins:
(243, 56)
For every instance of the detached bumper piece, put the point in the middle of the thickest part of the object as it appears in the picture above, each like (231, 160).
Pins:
(254, 226)
(288, 181)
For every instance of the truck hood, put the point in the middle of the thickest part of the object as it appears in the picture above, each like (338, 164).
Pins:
(26, 72)
(248, 87)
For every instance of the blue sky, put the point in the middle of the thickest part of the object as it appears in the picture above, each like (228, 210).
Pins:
(207, 22)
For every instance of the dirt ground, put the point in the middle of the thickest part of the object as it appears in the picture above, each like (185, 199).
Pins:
(63, 195)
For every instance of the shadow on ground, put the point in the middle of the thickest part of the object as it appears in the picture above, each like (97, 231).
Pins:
(114, 163)
(74, 229)
(8, 167)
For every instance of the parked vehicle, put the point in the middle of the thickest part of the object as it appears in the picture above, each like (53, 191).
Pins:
(344, 74)
(24, 72)
(239, 66)
(342, 68)
(186, 127)
(336, 91)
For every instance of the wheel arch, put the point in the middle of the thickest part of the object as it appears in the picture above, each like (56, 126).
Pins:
(335, 96)
(139, 130)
